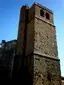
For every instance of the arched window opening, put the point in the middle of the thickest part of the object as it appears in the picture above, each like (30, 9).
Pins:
(42, 13)
(47, 16)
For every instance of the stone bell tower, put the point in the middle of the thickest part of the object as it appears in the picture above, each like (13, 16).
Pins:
(41, 56)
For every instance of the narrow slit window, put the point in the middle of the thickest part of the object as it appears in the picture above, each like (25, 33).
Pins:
(42, 13)
(47, 16)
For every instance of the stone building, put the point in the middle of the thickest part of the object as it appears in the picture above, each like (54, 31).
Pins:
(7, 53)
(35, 57)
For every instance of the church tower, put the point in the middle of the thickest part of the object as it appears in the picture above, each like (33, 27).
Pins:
(40, 46)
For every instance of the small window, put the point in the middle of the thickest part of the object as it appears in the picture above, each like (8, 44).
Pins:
(42, 13)
(47, 16)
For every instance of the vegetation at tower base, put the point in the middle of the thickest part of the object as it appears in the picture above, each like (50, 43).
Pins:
(33, 57)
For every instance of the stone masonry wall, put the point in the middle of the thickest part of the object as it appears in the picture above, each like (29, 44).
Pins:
(43, 70)
(30, 38)
(45, 39)
(7, 54)
(46, 71)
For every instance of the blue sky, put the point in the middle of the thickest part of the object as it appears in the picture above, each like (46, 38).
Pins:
(9, 18)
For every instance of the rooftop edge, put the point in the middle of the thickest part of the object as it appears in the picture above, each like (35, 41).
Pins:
(35, 3)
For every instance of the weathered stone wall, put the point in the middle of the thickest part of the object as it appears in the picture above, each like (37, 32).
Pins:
(21, 30)
(20, 41)
(7, 54)
(30, 37)
(43, 70)
(45, 39)
(46, 71)
(41, 32)
(31, 13)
